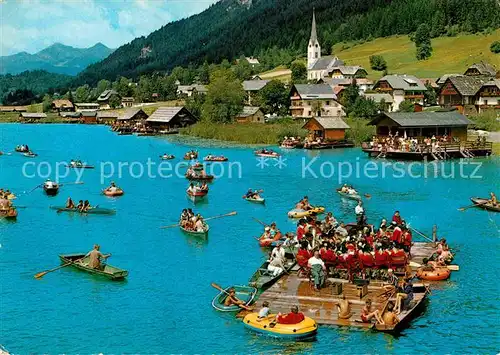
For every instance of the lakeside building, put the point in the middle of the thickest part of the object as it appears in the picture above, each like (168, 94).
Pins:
(170, 118)
(62, 105)
(107, 117)
(88, 117)
(250, 114)
(133, 117)
(252, 88)
(326, 128)
(314, 100)
(401, 88)
(31, 117)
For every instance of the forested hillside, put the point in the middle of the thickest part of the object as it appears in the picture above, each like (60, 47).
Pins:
(229, 29)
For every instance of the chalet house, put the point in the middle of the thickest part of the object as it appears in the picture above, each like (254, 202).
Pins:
(488, 96)
(107, 117)
(347, 72)
(190, 90)
(132, 117)
(362, 83)
(327, 128)
(127, 101)
(250, 115)
(379, 98)
(460, 92)
(29, 117)
(170, 118)
(314, 100)
(88, 117)
(318, 66)
(62, 106)
(85, 106)
(401, 88)
(422, 124)
(105, 98)
(481, 68)
(252, 88)
(252, 61)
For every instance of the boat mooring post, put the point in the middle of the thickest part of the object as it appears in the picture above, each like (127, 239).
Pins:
(434, 233)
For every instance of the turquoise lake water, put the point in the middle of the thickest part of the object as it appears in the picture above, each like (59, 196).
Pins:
(164, 306)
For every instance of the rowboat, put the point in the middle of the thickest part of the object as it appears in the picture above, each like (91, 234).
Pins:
(436, 274)
(197, 167)
(200, 177)
(305, 330)
(255, 200)
(94, 210)
(191, 156)
(244, 293)
(406, 315)
(51, 190)
(484, 203)
(79, 166)
(349, 196)
(10, 213)
(263, 278)
(266, 154)
(118, 192)
(167, 157)
(21, 149)
(298, 213)
(111, 272)
(203, 234)
(197, 196)
(221, 158)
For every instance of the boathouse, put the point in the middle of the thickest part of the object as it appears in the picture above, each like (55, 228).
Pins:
(132, 116)
(250, 114)
(30, 117)
(170, 118)
(107, 117)
(422, 124)
(327, 128)
(88, 117)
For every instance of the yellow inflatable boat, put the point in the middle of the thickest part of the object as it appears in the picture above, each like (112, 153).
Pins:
(301, 331)
(296, 213)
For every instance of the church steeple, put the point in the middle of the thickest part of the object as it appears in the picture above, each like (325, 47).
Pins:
(313, 49)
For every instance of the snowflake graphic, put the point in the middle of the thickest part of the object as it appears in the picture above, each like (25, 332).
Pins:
(280, 162)
(262, 162)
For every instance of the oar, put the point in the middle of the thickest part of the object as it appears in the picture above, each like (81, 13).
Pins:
(214, 285)
(423, 235)
(474, 205)
(43, 273)
(206, 219)
(36, 187)
(72, 183)
(259, 221)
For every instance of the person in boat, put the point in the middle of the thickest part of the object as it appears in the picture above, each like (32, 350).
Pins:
(264, 311)
(397, 218)
(191, 189)
(344, 189)
(5, 204)
(290, 240)
(204, 186)
(404, 295)
(294, 317)
(276, 266)
(85, 206)
(275, 232)
(69, 203)
(266, 237)
(367, 314)
(49, 184)
(318, 270)
(306, 205)
(390, 317)
(79, 207)
(95, 256)
(232, 300)
(392, 281)
(279, 253)
(493, 199)
(112, 187)
(351, 191)
(344, 308)
(200, 224)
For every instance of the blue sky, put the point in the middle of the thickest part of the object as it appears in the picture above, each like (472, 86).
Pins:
(31, 25)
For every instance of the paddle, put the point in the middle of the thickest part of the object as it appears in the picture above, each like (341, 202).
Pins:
(206, 219)
(461, 209)
(450, 267)
(36, 187)
(72, 183)
(258, 221)
(43, 273)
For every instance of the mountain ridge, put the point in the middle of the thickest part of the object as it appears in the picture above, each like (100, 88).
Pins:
(57, 58)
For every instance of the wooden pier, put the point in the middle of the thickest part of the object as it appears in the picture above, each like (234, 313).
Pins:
(321, 305)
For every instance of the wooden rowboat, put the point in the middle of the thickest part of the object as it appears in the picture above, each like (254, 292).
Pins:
(200, 177)
(484, 204)
(244, 293)
(263, 278)
(167, 157)
(416, 306)
(10, 213)
(51, 191)
(197, 196)
(215, 159)
(80, 166)
(203, 234)
(267, 155)
(349, 196)
(109, 271)
(256, 200)
(30, 155)
(94, 210)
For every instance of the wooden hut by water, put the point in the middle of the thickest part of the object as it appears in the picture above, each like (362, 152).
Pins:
(169, 119)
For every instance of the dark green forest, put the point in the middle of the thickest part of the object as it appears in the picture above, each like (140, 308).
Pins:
(228, 30)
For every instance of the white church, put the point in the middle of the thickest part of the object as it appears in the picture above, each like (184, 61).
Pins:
(319, 67)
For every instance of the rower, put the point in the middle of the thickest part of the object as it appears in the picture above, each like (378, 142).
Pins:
(95, 257)
(49, 184)
(80, 205)
(69, 203)
(390, 318)
(191, 188)
(204, 186)
(344, 308)
(200, 224)
(493, 200)
(86, 206)
(231, 300)
(112, 187)
(306, 205)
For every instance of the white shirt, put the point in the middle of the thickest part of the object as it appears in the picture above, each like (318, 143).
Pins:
(199, 226)
(315, 261)
(359, 209)
(278, 253)
(264, 312)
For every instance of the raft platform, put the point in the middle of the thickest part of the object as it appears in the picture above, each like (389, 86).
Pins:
(321, 305)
